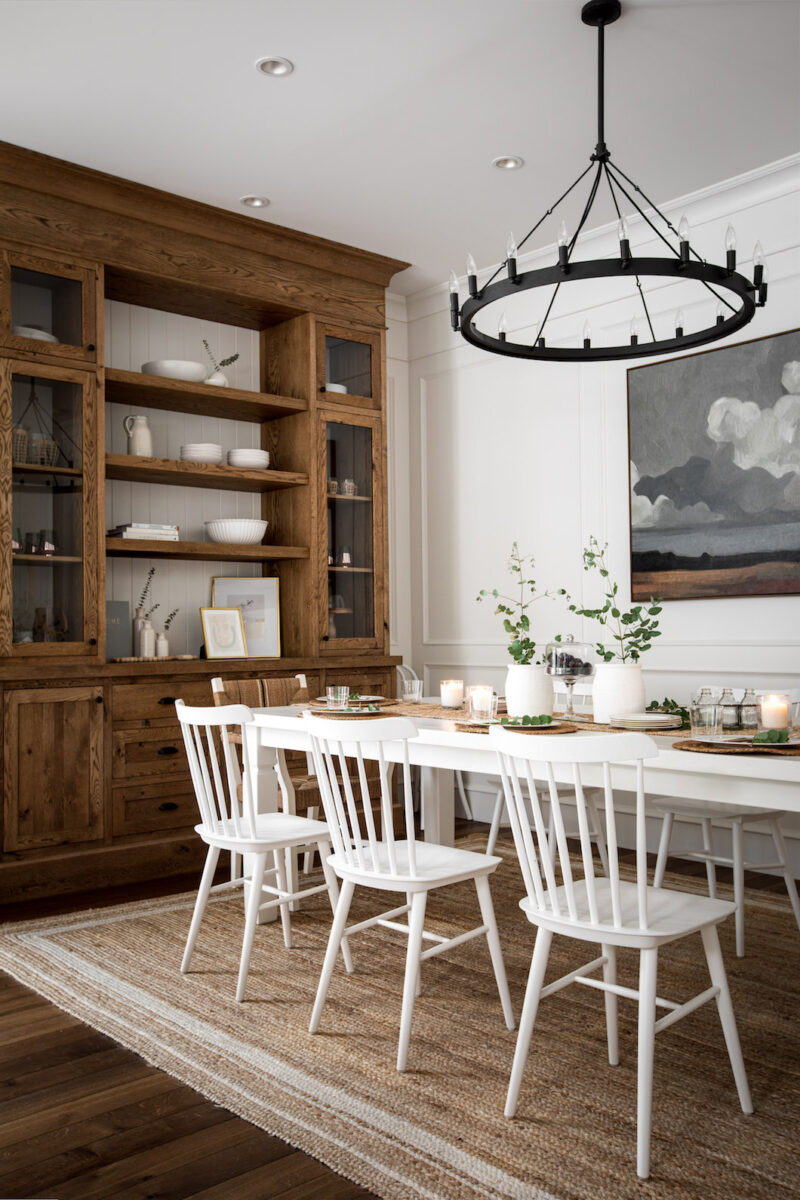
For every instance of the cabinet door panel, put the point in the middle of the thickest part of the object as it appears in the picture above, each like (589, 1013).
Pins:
(53, 778)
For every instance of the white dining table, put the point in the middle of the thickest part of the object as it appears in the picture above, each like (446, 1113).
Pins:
(440, 749)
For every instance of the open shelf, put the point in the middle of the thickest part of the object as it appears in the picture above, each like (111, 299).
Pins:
(352, 570)
(208, 551)
(41, 560)
(38, 469)
(358, 499)
(202, 399)
(203, 475)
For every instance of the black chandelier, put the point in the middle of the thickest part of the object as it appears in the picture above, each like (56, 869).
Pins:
(737, 298)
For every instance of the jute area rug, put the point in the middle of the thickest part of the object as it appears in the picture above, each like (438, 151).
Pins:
(438, 1132)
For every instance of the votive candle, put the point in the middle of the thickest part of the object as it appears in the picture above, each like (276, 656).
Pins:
(452, 692)
(775, 712)
(481, 698)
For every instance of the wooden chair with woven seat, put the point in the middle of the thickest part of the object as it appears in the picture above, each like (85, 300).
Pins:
(565, 896)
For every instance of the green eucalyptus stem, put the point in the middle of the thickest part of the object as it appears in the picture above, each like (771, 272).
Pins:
(514, 611)
(634, 630)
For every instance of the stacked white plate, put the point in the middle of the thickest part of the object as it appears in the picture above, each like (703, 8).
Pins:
(642, 721)
(252, 460)
(202, 452)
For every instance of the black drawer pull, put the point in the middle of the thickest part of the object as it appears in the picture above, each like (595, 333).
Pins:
(167, 700)
(168, 750)
(167, 806)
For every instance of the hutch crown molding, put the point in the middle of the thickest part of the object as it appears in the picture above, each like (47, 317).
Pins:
(95, 784)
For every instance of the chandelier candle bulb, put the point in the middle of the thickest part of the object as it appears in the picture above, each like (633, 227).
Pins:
(634, 331)
(775, 711)
(502, 327)
(758, 264)
(563, 246)
(454, 301)
(720, 313)
(730, 248)
(472, 276)
(624, 242)
(679, 323)
(683, 234)
(587, 335)
(541, 343)
(511, 257)
(762, 287)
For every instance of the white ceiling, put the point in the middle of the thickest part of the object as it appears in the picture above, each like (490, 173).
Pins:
(383, 136)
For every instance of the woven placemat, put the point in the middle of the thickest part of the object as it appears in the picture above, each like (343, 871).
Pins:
(763, 748)
(481, 727)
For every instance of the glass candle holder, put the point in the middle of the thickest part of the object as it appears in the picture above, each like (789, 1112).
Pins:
(451, 692)
(412, 691)
(349, 487)
(481, 703)
(775, 710)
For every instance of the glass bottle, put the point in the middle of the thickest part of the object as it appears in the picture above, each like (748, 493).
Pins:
(730, 710)
(749, 710)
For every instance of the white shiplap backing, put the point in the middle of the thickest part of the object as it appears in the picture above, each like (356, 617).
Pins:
(133, 336)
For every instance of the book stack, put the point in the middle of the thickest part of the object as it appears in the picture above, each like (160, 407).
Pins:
(142, 531)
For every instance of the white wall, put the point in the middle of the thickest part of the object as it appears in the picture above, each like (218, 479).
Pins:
(504, 450)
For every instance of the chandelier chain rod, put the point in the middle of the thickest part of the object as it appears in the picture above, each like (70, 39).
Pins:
(541, 221)
(617, 170)
(638, 280)
(571, 247)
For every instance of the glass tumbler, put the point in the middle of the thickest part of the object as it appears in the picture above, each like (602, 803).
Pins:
(412, 691)
(337, 696)
(706, 717)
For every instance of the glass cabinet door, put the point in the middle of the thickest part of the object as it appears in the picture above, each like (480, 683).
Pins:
(50, 525)
(349, 364)
(354, 552)
(48, 307)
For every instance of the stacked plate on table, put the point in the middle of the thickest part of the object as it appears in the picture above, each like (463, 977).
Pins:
(202, 452)
(643, 722)
(250, 460)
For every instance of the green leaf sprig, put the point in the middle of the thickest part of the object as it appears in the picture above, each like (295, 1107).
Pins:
(632, 631)
(514, 610)
(673, 708)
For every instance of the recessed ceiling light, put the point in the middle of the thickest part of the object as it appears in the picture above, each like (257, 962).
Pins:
(273, 65)
(508, 162)
(254, 201)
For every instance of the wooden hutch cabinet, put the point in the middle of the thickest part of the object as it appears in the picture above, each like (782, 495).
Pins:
(96, 788)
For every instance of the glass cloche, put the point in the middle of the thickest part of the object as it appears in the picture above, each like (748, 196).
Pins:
(570, 660)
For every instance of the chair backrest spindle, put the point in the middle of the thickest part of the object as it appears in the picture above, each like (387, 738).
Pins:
(224, 795)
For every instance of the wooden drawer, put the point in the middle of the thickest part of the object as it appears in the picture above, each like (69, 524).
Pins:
(141, 752)
(156, 701)
(146, 806)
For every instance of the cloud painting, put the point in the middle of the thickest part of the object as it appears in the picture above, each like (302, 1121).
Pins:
(715, 472)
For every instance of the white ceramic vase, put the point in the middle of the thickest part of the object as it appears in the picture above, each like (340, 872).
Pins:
(618, 688)
(529, 691)
(218, 379)
(162, 645)
(140, 436)
(147, 640)
(138, 622)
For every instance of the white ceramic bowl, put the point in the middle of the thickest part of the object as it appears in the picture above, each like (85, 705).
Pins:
(240, 531)
(33, 331)
(252, 459)
(202, 453)
(176, 368)
(336, 387)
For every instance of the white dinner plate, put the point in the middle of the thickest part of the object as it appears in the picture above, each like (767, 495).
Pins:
(738, 739)
(645, 720)
(365, 699)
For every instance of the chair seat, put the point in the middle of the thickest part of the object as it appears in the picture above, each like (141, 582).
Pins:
(670, 914)
(436, 866)
(275, 830)
(709, 808)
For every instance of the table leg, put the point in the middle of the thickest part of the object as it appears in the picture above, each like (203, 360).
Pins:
(264, 778)
(438, 805)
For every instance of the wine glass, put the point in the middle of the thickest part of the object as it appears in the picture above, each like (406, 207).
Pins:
(570, 660)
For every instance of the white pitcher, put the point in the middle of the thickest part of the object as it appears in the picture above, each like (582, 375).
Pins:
(140, 436)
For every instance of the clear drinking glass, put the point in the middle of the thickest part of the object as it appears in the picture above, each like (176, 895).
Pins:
(706, 716)
(412, 691)
(337, 696)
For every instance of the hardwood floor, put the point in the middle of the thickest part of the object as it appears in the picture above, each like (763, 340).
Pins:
(81, 1118)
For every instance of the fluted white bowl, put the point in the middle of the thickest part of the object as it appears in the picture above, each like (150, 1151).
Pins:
(176, 368)
(252, 459)
(241, 531)
(202, 452)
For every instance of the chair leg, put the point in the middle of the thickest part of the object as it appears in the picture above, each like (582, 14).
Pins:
(334, 941)
(410, 903)
(499, 805)
(251, 919)
(791, 886)
(708, 846)
(200, 905)
(236, 866)
(663, 848)
(286, 919)
(463, 797)
(648, 968)
(308, 857)
(612, 1005)
(416, 924)
(495, 950)
(737, 836)
(333, 896)
(716, 969)
(541, 953)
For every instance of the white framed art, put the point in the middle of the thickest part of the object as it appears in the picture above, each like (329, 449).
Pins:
(223, 631)
(259, 602)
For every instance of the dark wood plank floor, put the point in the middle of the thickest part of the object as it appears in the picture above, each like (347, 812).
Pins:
(81, 1118)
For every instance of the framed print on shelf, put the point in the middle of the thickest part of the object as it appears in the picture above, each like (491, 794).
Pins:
(223, 631)
(715, 472)
(259, 601)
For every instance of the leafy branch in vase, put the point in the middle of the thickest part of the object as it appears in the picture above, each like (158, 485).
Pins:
(146, 589)
(634, 630)
(514, 610)
(224, 362)
(170, 618)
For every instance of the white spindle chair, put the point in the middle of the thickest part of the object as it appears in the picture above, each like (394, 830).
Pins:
(229, 821)
(389, 863)
(605, 909)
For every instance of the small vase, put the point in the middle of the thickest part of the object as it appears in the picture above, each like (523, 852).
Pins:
(618, 688)
(162, 645)
(147, 640)
(138, 622)
(140, 436)
(218, 379)
(529, 691)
